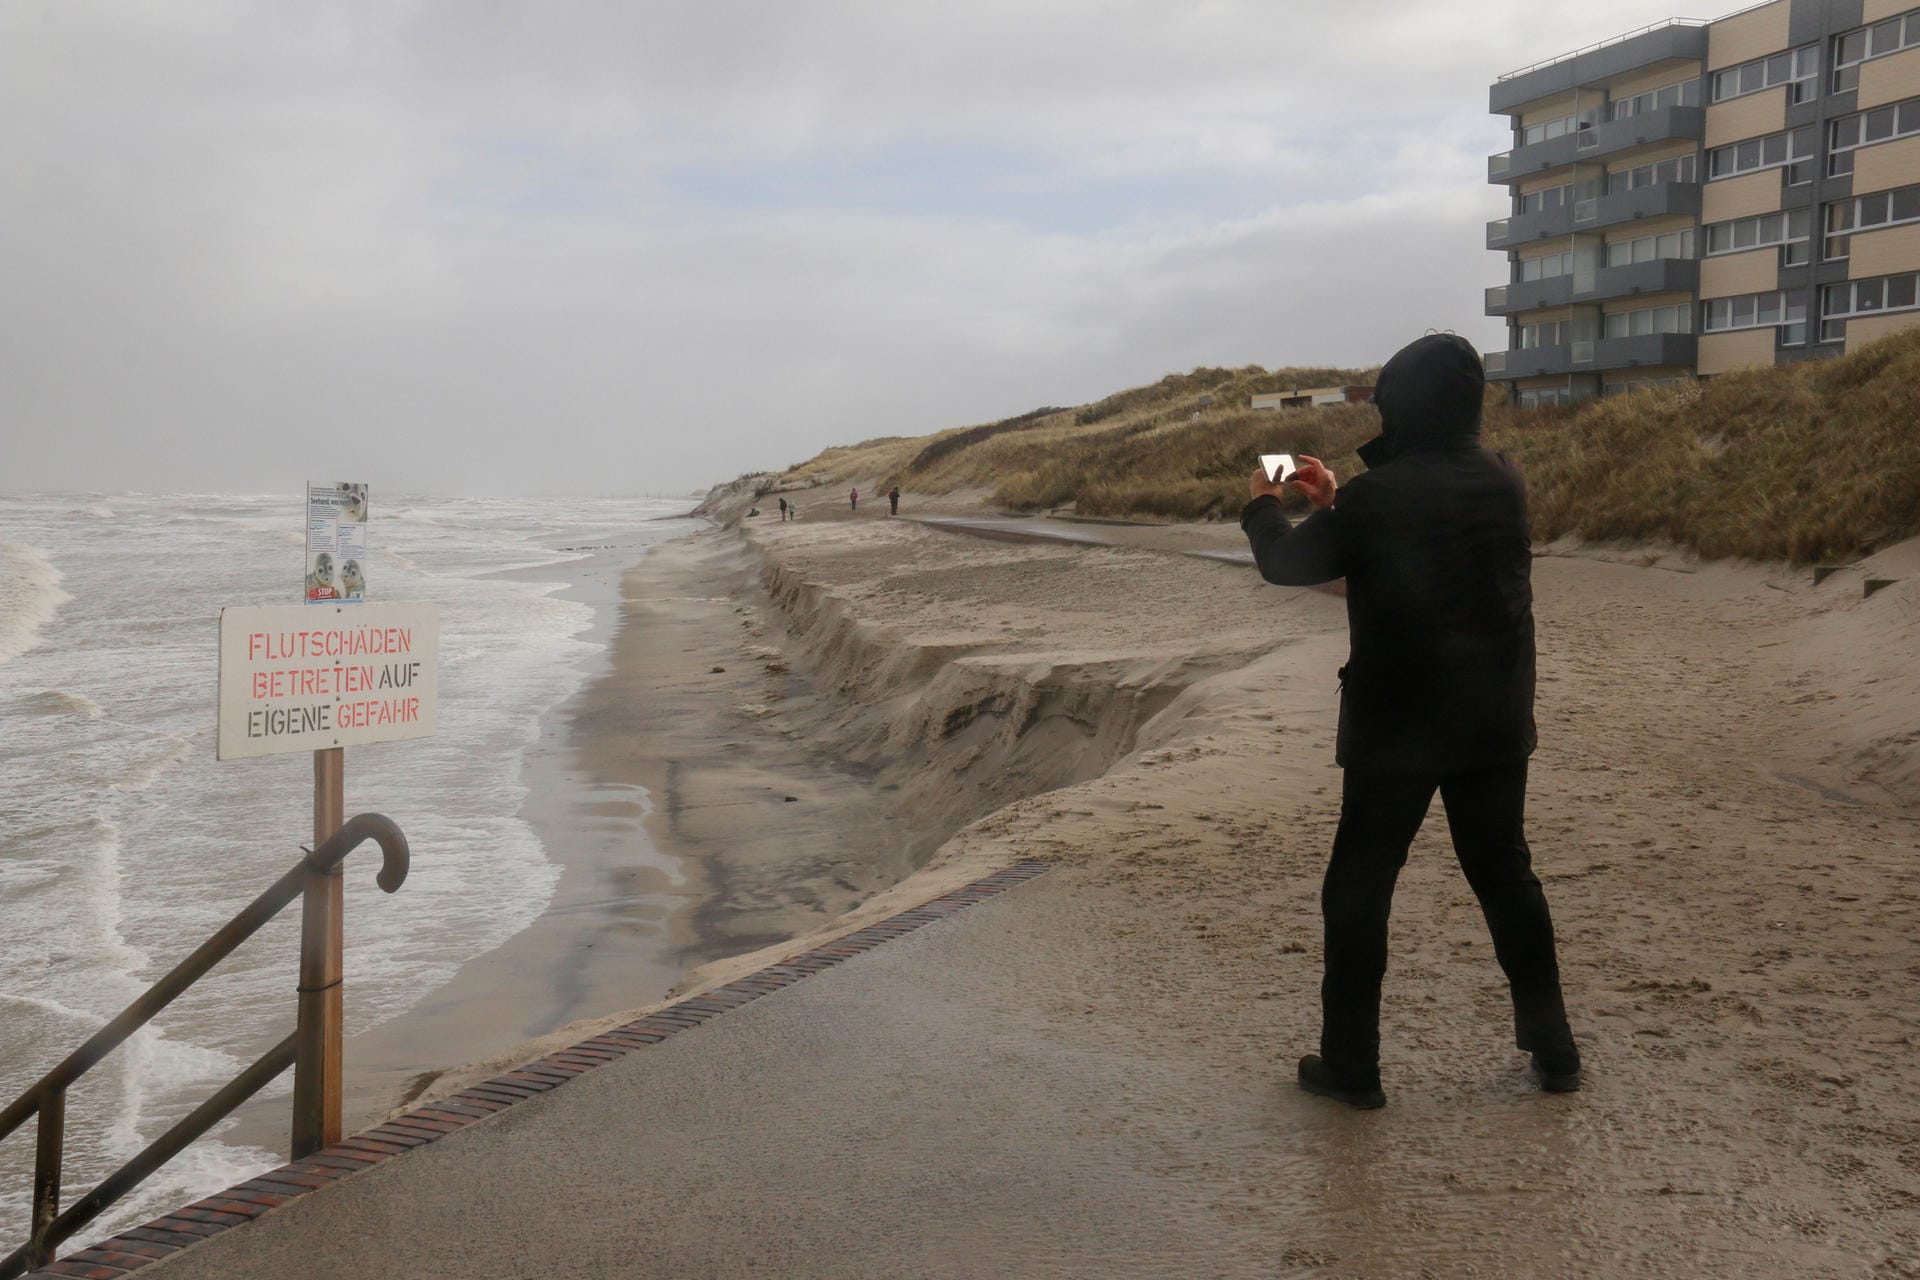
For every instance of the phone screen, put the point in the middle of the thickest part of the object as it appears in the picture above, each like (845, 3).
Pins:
(1279, 466)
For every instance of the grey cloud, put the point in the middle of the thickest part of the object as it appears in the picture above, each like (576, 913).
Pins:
(240, 239)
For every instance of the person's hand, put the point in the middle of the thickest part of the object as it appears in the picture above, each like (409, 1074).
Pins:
(1261, 487)
(1315, 479)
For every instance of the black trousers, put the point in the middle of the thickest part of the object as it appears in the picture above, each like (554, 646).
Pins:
(1379, 816)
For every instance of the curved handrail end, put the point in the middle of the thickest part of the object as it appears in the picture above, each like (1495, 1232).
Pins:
(394, 854)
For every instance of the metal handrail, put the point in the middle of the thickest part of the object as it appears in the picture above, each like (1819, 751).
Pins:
(1613, 40)
(47, 1097)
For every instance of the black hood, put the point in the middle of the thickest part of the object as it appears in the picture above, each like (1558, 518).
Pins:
(1429, 397)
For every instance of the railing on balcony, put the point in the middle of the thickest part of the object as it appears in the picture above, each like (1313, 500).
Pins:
(1497, 166)
(1495, 362)
(1496, 298)
(1603, 211)
(1602, 44)
(1591, 141)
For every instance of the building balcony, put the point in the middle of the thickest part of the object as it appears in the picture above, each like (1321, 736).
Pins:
(1649, 351)
(1662, 275)
(1597, 142)
(1529, 295)
(1595, 214)
(1595, 64)
(1535, 362)
(1657, 201)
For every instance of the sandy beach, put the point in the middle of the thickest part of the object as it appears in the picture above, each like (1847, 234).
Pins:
(842, 716)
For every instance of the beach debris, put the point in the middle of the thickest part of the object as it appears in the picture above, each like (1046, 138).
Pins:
(718, 670)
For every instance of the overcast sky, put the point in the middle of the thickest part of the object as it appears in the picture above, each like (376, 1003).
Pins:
(576, 246)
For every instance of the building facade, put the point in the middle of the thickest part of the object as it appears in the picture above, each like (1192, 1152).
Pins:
(1702, 196)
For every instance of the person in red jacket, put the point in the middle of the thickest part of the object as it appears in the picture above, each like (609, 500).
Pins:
(853, 499)
(1436, 695)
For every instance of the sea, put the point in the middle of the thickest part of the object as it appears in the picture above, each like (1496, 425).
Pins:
(124, 843)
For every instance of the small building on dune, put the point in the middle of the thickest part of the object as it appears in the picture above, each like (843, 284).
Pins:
(1312, 397)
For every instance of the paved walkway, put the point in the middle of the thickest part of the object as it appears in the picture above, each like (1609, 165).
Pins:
(919, 1110)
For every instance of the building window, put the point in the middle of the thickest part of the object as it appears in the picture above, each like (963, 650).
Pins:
(1673, 244)
(1866, 43)
(1862, 213)
(1786, 309)
(1771, 152)
(1545, 397)
(1799, 68)
(1547, 130)
(1865, 298)
(1542, 201)
(1677, 318)
(1791, 230)
(1865, 128)
(1550, 333)
(1555, 197)
(1685, 93)
(1678, 169)
(1544, 268)
(1642, 384)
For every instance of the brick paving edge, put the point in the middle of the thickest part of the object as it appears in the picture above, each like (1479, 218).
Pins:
(213, 1215)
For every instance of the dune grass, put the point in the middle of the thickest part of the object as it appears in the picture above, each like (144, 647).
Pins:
(1809, 462)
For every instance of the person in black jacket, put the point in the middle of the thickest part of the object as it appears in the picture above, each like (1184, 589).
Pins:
(1437, 694)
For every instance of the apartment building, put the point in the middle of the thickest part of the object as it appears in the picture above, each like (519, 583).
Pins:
(1698, 196)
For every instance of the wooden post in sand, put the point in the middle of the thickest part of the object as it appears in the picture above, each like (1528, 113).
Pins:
(317, 1055)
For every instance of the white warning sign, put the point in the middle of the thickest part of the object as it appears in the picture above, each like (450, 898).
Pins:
(301, 678)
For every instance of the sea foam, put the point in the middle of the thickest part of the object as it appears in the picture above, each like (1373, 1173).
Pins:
(126, 844)
(30, 596)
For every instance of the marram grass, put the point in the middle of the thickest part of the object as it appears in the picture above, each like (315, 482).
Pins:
(1810, 462)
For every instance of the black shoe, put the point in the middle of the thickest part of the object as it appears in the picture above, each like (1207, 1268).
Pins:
(1556, 1076)
(1317, 1077)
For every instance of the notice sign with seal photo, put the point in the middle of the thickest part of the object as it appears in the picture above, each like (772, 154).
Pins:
(295, 678)
(336, 542)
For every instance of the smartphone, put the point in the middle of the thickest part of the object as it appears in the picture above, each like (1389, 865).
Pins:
(1279, 466)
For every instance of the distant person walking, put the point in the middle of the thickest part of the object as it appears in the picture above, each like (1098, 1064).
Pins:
(1437, 694)
(783, 511)
(853, 499)
(893, 500)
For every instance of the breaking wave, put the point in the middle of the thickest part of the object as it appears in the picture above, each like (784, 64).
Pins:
(30, 596)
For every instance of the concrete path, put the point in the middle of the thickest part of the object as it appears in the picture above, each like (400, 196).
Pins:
(919, 1111)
